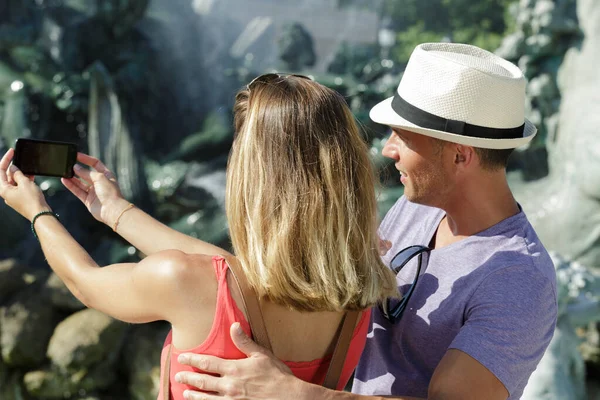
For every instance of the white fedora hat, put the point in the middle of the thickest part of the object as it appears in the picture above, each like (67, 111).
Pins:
(462, 94)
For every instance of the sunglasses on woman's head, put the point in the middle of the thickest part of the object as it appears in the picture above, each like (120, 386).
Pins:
(393, 309)
(270, 77)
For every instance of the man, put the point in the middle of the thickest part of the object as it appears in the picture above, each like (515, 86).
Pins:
(483, 310)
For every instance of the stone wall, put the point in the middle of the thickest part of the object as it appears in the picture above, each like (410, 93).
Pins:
(564, 206)
(52, 347)
(545, 31)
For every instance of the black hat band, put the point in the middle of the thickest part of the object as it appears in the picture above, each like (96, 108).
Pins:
(427, 120)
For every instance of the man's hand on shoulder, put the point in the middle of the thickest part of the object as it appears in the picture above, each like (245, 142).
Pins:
(260, 376)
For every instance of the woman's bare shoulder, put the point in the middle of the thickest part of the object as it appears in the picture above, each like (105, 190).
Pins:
(182, 273)
(181, 264)
(191, 282)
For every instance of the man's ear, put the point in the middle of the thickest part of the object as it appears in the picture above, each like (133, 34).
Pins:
(464, 156)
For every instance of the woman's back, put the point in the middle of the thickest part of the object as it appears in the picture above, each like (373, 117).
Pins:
(304, 340)
(302, 217)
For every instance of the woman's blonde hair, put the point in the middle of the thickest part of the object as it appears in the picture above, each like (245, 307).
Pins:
(300, 198)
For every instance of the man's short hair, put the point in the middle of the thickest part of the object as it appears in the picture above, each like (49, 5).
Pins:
(490, 159)
(493, 159)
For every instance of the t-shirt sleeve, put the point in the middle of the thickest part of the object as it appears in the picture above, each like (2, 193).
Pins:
(509, 322)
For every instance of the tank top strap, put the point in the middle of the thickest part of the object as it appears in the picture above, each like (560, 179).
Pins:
(221, 267)
(227, 309)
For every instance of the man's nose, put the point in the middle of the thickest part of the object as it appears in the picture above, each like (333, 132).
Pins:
(390, 148)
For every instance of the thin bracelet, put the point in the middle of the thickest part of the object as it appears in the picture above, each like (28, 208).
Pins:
(129, 207)
(39, 215)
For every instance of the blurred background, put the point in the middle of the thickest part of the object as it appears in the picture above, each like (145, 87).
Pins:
(148, 85)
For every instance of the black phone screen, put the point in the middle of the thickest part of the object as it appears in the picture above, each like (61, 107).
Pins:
(36, 157)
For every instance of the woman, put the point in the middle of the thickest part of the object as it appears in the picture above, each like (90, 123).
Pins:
(301, 209)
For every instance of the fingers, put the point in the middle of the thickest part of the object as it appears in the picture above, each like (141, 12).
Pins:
(205, 382)
(90, 176)
(190, 395)
(110, 176)
(199, 381)
(76, 187)
(83, 173)
(91, 162)
(17, 175)
(384, 247)
(244, 343)
(210, 364)
(4, 163)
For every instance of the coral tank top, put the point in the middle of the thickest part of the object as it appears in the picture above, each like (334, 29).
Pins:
(219, 343)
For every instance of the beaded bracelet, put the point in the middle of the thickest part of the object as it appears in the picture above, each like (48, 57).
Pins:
(36, 217)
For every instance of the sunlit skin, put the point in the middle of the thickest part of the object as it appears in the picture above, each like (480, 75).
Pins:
(449, 176)
(422, 163)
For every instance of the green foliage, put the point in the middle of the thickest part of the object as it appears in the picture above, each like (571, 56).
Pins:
(486, 40)
(296, 48)
(364, 4)
(482, 23)
(405, 13)
(486, 15)
(352, 59)
(411, 37)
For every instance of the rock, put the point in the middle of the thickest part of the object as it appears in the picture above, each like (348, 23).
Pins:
(10, 278)
(543, 89)
(540, 45)
(565, 209)
(527, 65)
(207, 224)
(551, 129)
(564, 79)
(554, 17)
(560, 374)
(19, 227)
(50, 384)
(15, 277)
(512, 46)
(545, 31)
(142, 357)
(26, 325)
(214, 139)
(85, 339)
(3, 374)
(541, 17)
(164, 180)
(111, 139)
(60, 296)
(532, 161)
(55, 384)
(11, 385)
(590, 348)
(14, 123)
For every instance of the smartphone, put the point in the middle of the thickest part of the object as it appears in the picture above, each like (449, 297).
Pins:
(45, 157)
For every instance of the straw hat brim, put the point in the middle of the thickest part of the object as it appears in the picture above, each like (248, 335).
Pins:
(383, 113)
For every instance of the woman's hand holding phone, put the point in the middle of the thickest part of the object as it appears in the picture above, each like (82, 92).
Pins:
(97, 188)
(20, 191)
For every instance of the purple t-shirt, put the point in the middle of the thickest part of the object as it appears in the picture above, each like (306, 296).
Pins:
(491, 295)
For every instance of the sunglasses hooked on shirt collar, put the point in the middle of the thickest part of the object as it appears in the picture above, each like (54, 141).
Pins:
(392, 310)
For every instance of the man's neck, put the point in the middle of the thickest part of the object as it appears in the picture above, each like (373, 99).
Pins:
(473, 209)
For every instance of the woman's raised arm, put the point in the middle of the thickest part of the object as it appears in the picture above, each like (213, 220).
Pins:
(153, 289)
(99, 191)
